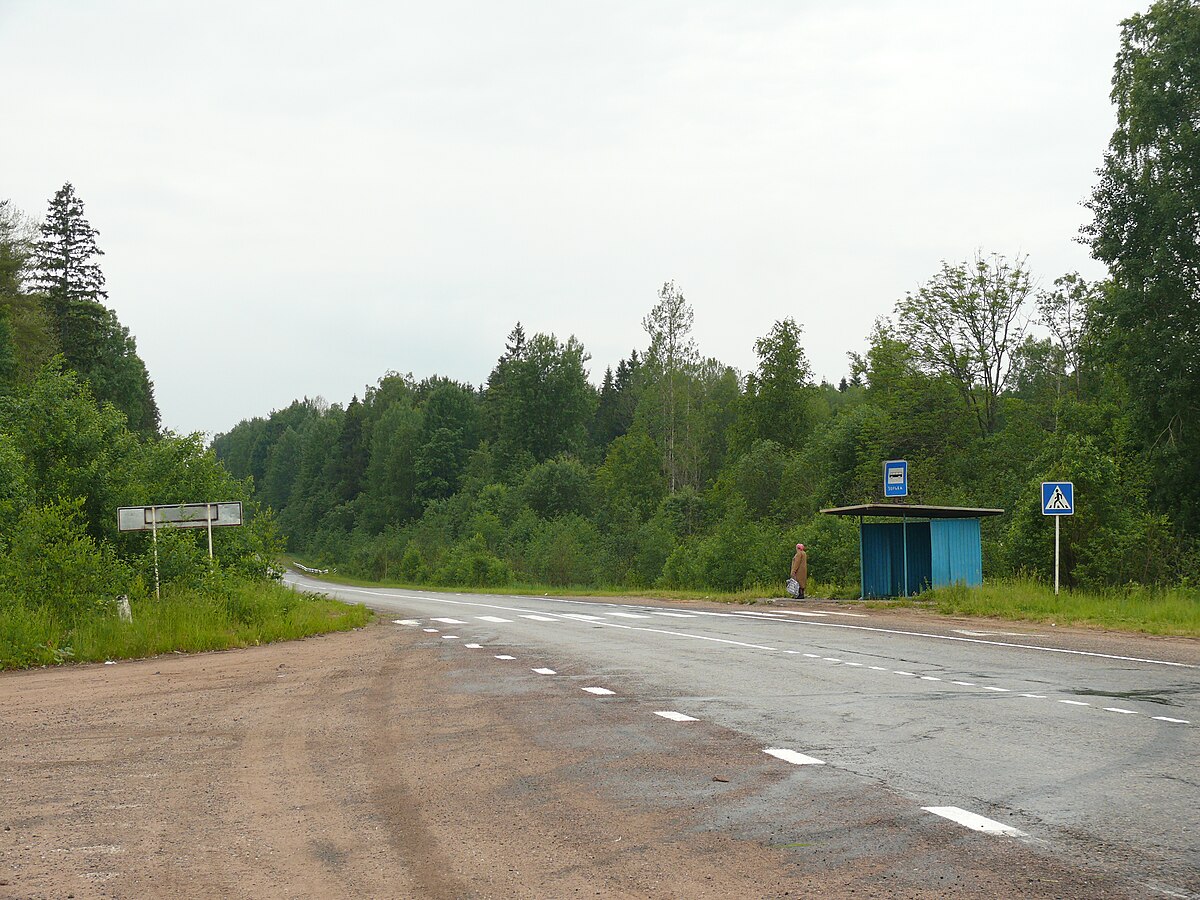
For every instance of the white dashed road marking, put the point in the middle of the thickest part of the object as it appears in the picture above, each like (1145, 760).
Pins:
(602, 692)
(974, 821)
(405, 622)
(1074, 703)
(676, 716)
(429, 630)
(675, 615)
(505, 656)
(449, 637)
(796, 759)
(583, 617)
(451, 621)
(539, 618)
(1169, 719)
(474, 646)
(545, 671)
(492, 619)
(1128, 712)
(629, 615)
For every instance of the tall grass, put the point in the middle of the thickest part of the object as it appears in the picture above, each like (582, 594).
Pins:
(243, 614)
(1174, 611)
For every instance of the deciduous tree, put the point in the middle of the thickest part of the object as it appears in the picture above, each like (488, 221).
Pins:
(965, 323)
(1147, 230)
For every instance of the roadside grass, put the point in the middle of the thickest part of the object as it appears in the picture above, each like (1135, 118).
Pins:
(241, 614)
(1166, 611)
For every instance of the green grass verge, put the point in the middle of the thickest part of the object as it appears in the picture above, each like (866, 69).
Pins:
(243, 614)
(1168, 611)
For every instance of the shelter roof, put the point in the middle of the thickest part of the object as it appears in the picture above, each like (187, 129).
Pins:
(913, 511)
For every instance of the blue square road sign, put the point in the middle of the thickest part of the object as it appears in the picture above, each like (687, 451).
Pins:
(895, 478)
(1058, 498)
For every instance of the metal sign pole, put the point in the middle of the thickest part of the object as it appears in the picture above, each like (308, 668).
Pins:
(1056, 523)
(154, 533)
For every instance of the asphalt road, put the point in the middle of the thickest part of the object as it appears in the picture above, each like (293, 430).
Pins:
(1085, 748)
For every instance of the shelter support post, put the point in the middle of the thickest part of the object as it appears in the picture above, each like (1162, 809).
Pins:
(862, 583)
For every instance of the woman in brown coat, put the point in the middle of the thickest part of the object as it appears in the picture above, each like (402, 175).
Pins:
(800, 569)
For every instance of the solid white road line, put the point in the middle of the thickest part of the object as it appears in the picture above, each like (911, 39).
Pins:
(629, 615)
(539, 618)
(492, 619)
(675, 615)
(451, 621)
(601, 692)
(1169, 719)
(545, 671)
(796, 759)
(505, 656)
(798, 622)
(974, 821)
(583, 617)
(676, 716)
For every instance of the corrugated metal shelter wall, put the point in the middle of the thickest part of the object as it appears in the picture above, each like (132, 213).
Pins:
(882, 548)
(957, 552)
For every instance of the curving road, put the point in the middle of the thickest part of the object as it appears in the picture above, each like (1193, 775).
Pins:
(1083, 747)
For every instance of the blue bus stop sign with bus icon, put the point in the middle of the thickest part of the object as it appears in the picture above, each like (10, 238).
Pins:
(1058, 498)
(895, 478)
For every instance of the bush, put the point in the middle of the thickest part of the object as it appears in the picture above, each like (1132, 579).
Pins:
(564, 551)
(55, 564)
(471, 563)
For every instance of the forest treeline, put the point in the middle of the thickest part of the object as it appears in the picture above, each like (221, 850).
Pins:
(678, 471)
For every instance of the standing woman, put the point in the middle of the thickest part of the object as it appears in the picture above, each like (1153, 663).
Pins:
(800, 569)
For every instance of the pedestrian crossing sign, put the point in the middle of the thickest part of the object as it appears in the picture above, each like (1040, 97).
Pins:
(1058, 498)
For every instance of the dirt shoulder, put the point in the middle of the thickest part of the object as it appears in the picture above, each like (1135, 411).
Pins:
(384, 763)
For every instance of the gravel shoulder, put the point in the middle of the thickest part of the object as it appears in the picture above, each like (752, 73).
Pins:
(385, 763)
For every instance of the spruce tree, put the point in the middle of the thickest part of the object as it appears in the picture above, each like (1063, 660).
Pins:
(66, 275)
(95, 344)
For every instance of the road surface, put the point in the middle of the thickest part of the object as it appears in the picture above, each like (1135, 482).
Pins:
(1083, 749)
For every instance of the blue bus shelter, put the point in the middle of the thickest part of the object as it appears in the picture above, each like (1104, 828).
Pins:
(917, 548)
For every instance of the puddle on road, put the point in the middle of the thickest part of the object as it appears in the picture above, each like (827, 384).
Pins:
(1163, 697)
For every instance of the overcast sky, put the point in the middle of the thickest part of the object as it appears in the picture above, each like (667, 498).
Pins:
(295, 198)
